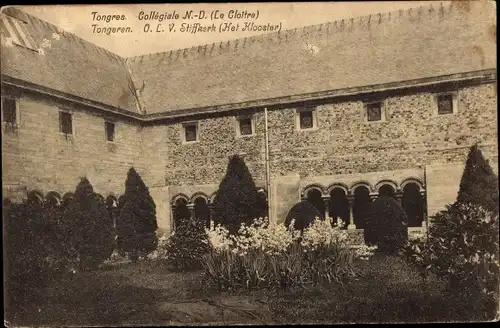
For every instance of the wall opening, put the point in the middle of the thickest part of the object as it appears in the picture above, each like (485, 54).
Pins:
(361, 207)
(201, 210)
(339, 206)
(314, 197)
(413, 204)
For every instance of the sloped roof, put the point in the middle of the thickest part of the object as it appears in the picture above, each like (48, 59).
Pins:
(378, 49)
(365, 51)
(70, 65)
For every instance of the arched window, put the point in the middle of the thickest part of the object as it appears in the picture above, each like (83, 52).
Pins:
(413, 204)
(339, 206)
(314, 197)
(201, 210)
(387, 190)
(361, 207)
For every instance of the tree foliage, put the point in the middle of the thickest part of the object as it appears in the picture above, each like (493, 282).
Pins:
(90, 227)
(386, 225)
(187, 245)
(479, 184)
(137, 219)
(303, 214)
(237, 199)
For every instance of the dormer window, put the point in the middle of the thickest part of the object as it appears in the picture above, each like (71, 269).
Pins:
(15, 30)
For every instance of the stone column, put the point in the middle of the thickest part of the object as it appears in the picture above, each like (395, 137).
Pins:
(399, 197)
(191, 211)
(210, 211)
(351, 225)
(326, 201)
(424, 212)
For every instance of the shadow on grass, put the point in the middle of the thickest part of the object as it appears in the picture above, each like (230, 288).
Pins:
(125, 293)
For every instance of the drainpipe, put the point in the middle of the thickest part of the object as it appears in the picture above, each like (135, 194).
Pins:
(268, 183)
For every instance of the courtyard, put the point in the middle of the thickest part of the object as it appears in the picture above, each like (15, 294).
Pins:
(387, 290)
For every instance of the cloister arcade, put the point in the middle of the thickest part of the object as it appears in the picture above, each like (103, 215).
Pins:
(200, 206)
(53, 200)
(351, 203)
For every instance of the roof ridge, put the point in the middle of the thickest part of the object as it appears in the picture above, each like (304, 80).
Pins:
(68, 34)
(287, 35)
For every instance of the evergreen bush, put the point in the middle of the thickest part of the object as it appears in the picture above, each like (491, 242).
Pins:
(479, 184)
(90, 228)
(386, 225)
(304, 214)
(137, 224)
(185, 248)
(462, 248)
(237, 199)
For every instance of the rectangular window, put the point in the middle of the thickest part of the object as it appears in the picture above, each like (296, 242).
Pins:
(306, 119)
(190, 132)
(374, 111)
(66, 122)
(110, 131)
(15, 29)
(445, 104)
(9, 110)
(245, 125)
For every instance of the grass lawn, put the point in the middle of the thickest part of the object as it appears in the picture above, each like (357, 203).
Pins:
(148, 293)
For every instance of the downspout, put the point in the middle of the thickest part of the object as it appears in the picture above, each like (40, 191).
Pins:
(268, 178)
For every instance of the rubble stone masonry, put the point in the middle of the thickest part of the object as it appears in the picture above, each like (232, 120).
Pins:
(412, 137)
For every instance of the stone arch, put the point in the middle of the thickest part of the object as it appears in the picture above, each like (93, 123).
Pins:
(99, 197)
(211, 199)
(416, 181)
(112, 208)
(201, 209)
(180, 210)
(342, 186)
(111, 201)
(361, 183)
(314, 196)
(339, 204)
(66, 198)
(53, 199)
(314, 186)
(198, 195)
(386, 182)
(361, 205)
(180, 196)
(413, 204)
(35, 197)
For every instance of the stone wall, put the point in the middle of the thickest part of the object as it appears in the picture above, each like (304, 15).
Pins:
(412, 142)
(345, 147)
(37, 156)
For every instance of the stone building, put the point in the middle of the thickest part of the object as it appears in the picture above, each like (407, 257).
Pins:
(381, 104)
